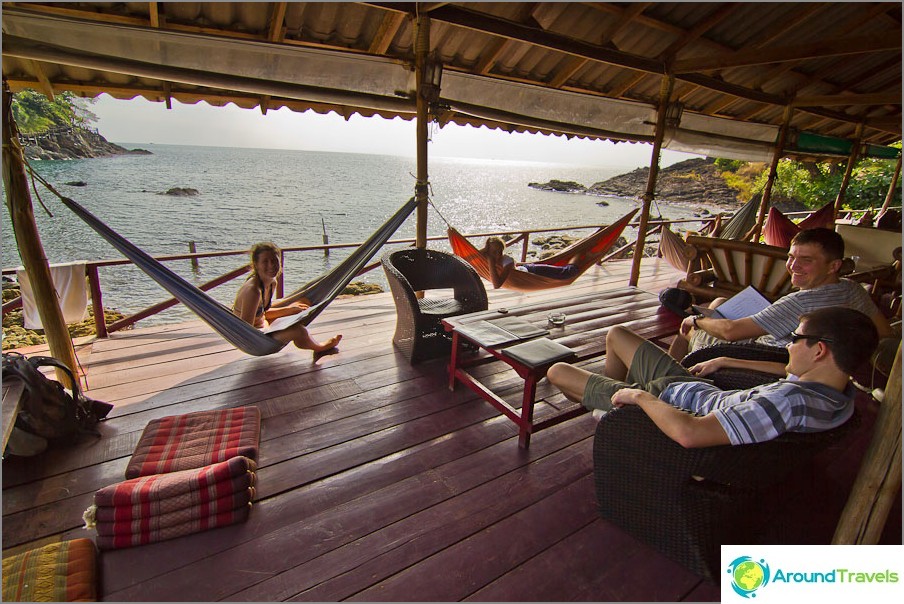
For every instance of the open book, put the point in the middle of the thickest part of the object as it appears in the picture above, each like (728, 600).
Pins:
(745, 303)
(500, 331)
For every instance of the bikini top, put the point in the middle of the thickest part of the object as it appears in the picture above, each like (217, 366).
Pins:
(264, 305)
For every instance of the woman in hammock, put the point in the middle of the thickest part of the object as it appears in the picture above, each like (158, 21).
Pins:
(501, 265)
(254, 302)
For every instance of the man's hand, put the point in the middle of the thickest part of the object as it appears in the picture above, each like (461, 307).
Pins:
(687, 324)
(627, 396)
(707, 367)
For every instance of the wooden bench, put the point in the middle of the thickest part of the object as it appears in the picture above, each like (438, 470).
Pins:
(723, 267)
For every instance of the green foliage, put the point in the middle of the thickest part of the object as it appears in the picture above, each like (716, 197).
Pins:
(817, 184)
(729, 165)
(35, 113)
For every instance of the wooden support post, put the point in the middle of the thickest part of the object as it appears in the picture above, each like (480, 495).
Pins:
(421, 48)
(773, 173)
(192, 249)
(891, 188)
(28, 241)
(665, 92)
(879, 479)
(852, 161)
(97, 303)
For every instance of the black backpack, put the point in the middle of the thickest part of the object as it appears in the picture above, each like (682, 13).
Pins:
(46, 409)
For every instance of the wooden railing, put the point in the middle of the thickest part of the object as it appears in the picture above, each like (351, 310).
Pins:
(515, 237)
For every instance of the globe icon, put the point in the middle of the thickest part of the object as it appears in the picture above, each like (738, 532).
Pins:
(749, 575)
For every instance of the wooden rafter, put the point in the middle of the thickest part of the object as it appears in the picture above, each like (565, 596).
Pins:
(815, 50)
(848, 99)
(44, 86)
(277, 22)
(153, 15)
(389, 27)
(713, 19)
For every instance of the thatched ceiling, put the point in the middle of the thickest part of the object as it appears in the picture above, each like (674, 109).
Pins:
(580, 68)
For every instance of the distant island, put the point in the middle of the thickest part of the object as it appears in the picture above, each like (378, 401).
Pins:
(693, 181)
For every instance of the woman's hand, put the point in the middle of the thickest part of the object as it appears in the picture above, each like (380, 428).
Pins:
(707, 367)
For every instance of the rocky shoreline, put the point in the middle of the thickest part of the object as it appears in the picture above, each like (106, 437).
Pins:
(691, 183)
(74, 143)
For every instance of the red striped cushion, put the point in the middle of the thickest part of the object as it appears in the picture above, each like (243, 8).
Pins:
(58, 572)
(195, 440)
(203, 484)
(154, 534)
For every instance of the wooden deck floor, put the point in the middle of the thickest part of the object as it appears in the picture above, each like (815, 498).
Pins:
(375, 482)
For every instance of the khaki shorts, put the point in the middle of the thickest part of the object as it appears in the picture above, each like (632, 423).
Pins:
(701, 339)
(652, 369)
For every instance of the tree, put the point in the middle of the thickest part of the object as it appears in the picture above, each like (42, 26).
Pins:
(35, 113)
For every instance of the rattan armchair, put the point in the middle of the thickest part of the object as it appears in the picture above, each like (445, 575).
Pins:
(738, 379)
(687, 502)
(419, 333)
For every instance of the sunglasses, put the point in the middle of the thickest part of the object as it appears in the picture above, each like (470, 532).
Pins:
(802, 336)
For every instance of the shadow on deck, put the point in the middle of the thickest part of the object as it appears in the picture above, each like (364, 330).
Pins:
(375, 481)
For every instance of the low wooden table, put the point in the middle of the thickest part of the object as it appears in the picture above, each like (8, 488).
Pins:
(12, 396)
(588, 319)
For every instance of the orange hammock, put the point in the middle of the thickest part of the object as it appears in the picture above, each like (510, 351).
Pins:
(779, 230)
(590, 250)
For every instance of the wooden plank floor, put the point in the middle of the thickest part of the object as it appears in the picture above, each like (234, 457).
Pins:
(375, 481)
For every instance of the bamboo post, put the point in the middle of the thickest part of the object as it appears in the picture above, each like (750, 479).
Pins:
(773, 173)
(852, 161)
(421, 48)
(665, 92)
(28, 241)
(879, 479)
(891, 188)
(192, 249)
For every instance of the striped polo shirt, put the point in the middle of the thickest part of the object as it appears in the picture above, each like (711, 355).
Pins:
(782, 317)
(763, 413)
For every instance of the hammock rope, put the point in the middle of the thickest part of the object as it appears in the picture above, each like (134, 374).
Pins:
(218, 316)
(588, 251)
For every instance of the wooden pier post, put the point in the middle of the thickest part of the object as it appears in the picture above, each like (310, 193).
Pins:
(193, 250)
(421, 49)
(28, 241)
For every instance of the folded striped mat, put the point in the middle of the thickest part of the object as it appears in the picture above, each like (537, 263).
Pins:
(195, 440)
(163, 506)
(65, 571)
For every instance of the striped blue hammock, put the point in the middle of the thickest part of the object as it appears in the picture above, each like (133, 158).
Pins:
(242, 335)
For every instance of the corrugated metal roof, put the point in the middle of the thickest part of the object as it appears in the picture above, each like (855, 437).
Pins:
(838, 63)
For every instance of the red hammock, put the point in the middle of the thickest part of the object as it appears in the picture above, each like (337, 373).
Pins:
(593, 248)
(779, 230)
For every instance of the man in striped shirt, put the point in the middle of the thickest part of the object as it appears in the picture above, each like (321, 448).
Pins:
(814, 260)
(826, 347)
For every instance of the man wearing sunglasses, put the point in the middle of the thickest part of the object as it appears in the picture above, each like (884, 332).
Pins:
(815, 394)
(814, 260)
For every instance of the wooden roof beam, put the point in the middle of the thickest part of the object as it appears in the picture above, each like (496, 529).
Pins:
(386, 32)
(844, 30)
(711, 20)
(44, 82)
(153, 15)
(277, 22)
(824, 48)
(829, 100)
(629, 14)
(488, 61)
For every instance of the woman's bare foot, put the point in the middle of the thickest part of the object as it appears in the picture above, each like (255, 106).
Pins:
(328, 345)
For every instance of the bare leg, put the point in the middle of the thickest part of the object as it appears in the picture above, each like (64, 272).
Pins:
(298, 334)
(569, 379)
(621, 344)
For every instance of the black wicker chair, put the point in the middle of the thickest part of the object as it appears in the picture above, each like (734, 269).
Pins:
(738, 379)
(419, 333)
(687, 502)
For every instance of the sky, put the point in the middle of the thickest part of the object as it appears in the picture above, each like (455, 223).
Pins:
(139, 121)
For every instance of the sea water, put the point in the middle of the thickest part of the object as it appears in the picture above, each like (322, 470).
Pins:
(290, 198)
